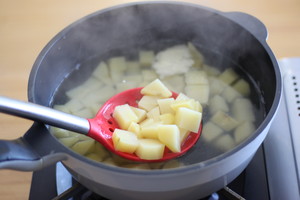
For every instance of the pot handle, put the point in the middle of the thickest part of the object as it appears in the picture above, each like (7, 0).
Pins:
(249, 22)
(19, 155)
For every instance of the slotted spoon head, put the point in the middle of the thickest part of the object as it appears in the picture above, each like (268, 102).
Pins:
(103, 126)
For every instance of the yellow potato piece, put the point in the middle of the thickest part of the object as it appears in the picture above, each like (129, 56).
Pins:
(148, 102)
(188, 119)
(150, 131)
(170, 136)
(150, 149)
(124, 115)
(125, 141)
(140, 113)
(165, 105)
(167, 118)
(154, 113)
(156, 88)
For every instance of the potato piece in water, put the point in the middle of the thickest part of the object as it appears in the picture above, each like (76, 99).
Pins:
(242, 87)
(117, 66)
(150, 149)
(69, 141)
(210, 132)
(84, 147)
(228, 76)
(224, 142)
(197, 56)
(224, 121)
(146, 58)
(198, 92)
(125, 141)
(243, 131)
(196, 77)
(242, 110)
(218, 103)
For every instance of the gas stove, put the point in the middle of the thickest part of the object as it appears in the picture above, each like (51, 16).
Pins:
(273, 173)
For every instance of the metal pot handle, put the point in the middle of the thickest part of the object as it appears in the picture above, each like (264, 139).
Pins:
(249, 22)
(19, 155)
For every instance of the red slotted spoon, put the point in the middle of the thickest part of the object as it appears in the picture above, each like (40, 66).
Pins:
(99, 128)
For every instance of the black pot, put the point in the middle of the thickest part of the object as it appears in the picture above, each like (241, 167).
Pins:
(236, 36)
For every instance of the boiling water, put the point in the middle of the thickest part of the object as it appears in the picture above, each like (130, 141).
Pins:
(204, 149)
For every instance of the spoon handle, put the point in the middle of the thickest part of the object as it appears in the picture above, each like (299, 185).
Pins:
(44, 114)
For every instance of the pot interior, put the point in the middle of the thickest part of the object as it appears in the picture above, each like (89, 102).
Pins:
(70, 58)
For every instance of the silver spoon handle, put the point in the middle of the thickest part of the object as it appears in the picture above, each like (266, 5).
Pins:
(44, 114)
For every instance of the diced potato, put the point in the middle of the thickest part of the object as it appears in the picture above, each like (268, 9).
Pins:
(135, 128)
(81, 137)
(230, 94)
(167, 118)
(69, 141)
(172, 164)
(147, 122)
(85, 113)
(74, 106)
(154, 113)
(59, 132)
(188, 119)
(105, 93)
(94, 156)
(224, 142)
(196, 77)
(190, 103)
(198, 92)
(181, 96)
(243, 131)
(242, 87)
(224, 121)
(95, 107)
(175, 83)
(62, 108)
(125, 141)
(170, 136)
(156, 88)
(228, 76)
(150, 132)
(148, 102)
(124, 115)
(137, 166)
(140, 113)
(183, 134)
(84, 147)
(125, 85)
(165, 105)
(216, 86)
(150, 149)
(102, 73)
(218, 103)
(211, 71)
(101, 151)
(197, 56)
(146, 58)
(133, 67)
(86, 88)
(149, 75)
(242, 110)
(117, 66)
(210, 132)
